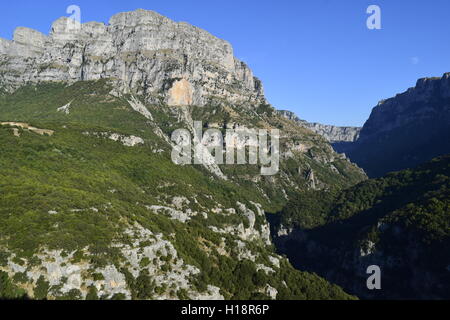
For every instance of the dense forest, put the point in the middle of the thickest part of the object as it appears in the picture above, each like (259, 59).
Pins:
(400, 222)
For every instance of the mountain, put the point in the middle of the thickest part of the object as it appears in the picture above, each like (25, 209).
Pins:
(404, 131)
(142, 51)
(333, 134)
(400, 222)
(91, 203)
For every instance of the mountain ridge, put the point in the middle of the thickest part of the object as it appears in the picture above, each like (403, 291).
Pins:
(405, 130)
(332, 133)
(188, 65)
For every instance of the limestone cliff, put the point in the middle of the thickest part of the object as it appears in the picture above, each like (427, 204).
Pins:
(331, 133)
(406, 130)
(146, 53)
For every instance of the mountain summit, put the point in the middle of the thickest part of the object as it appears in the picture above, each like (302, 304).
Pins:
(145, 52)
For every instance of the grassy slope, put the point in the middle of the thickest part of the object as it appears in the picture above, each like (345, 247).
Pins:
(70, 171)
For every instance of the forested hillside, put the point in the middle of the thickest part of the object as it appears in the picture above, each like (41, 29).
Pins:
(400, 222)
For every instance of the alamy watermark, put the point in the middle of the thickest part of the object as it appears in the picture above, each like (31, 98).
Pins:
(374, 20)
(74, 21)
(238, 146)
(374, 281)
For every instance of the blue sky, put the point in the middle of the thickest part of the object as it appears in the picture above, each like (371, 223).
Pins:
(315, 57)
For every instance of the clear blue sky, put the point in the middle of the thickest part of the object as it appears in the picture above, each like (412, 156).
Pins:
(315, 57)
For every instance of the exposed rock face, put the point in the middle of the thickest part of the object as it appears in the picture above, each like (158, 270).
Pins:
(406, 130)
(331, 133)
(129, 141)
(143, 51)
(335, 134)
(428, 99)
(180, 94)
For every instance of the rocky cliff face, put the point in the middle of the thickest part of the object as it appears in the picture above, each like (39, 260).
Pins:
(146, 53)
(406, 130)
(427, 100)
(331, 133)
(335, 134)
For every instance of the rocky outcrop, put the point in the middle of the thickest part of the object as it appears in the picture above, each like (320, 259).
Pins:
(428, 99)
(291, 116)
(331, 133)
(144, 52)
(335, 134)
(406, 130)
(128, 141)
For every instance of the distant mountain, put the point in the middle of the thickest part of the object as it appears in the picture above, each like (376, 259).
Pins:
(400, 222)
(404, 131)
(333, 134)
